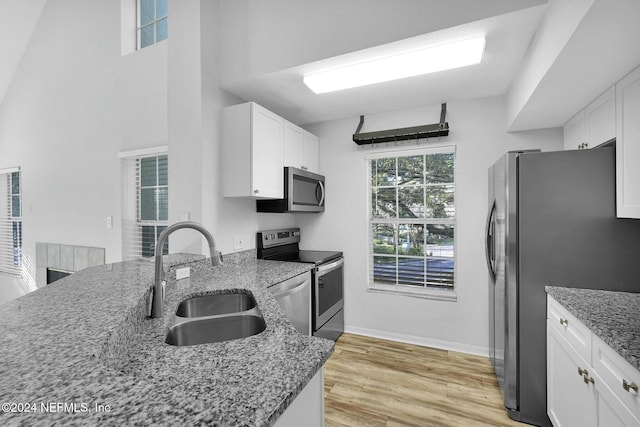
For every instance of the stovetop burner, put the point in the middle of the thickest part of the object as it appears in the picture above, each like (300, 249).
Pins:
(282, 245)
(317, 257)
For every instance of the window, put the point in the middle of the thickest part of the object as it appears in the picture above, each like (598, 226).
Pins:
(145, 203)
(412, 222)
(152, 22)
(11, 221)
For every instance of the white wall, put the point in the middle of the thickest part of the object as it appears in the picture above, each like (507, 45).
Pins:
(478, 132)
(75, 103)
(225, 217)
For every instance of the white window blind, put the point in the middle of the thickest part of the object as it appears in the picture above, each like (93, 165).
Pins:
(10, 221)
(412, 222)
(145, 203)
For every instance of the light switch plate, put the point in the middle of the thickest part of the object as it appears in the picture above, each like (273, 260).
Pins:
(238, 242)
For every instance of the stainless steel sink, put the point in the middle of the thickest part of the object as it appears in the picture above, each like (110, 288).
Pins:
(211, 305)
(215, 329)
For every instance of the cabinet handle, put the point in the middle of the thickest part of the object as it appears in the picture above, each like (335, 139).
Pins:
(256, 191)
(565, 322)
(585, 376)
(627, 386)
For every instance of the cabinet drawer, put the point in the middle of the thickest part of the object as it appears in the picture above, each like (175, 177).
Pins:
(574, 331)
(613, 370)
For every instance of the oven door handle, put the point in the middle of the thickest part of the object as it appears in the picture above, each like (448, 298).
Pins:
(325, 268)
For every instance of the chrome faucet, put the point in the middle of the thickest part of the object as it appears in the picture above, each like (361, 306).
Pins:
(157, 302)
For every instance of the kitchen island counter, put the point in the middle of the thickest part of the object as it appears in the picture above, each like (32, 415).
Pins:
(82, 351)
(610, 315)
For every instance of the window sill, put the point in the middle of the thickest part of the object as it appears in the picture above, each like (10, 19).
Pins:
(428, 293)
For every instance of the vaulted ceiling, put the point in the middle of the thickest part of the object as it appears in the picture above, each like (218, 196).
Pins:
(547, 72)
(18, 19)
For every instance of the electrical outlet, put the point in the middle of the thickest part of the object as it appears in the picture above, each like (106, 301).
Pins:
(238, 242)
(109, 221)
(182, 273)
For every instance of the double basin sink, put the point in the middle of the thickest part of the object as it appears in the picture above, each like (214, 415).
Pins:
(214, 318)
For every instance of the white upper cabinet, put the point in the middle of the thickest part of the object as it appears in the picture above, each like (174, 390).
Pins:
(311, 149)
(593, 125)
(301, 148)
(293, 145)
(575, 132)
(252, 152)
(600, 117)
(628, 146)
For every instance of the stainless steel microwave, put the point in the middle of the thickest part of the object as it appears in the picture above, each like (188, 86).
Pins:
(303, 192)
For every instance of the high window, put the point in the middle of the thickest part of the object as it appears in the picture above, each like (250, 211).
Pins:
(145, 203)
(152, 22)
(10, 221)
(412, 222)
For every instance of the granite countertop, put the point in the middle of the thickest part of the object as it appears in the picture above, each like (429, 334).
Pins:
(612, 316)
(82, 351)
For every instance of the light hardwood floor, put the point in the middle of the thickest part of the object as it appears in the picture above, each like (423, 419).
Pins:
(373, 382)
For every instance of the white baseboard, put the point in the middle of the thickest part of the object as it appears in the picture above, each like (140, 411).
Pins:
(425, 342)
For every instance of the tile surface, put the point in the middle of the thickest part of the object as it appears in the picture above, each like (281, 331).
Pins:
(612, 316)
(83, 351)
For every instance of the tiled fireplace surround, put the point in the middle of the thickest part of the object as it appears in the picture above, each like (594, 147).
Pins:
(65, 257)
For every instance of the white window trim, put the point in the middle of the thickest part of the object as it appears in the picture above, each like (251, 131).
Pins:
(135, 155)
(13, 270)
(144, 152)
(407, 290)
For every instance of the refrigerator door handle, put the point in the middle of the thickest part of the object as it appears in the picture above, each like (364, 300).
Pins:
(489, 242)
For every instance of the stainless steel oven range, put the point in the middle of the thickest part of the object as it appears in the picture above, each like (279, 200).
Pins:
(327, 295)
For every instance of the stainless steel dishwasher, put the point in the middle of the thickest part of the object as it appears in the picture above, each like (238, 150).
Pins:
(294, 297)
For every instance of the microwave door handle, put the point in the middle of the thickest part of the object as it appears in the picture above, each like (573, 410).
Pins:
(321, 184)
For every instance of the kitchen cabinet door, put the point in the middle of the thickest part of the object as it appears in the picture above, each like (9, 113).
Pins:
(311, 152)
(611, 412)
(575, 132)
(569, 398)
(301, 148)
(628, 146)
(252, 145)
(293, 145)
(600, 119)
(266, 154)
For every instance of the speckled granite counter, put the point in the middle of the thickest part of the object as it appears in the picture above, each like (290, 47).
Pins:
(612, 316)
(81, 351)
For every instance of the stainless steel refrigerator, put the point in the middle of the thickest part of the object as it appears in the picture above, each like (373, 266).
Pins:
(551, 221)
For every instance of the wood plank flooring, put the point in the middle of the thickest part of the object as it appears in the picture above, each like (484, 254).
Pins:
(373, 382)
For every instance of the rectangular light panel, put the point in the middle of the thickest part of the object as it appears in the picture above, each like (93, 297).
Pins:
(393, 67)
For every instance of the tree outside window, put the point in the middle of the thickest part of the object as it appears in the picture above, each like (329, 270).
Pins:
(412, 219)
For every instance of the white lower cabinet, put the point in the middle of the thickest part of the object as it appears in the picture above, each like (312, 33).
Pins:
(580, 390)
(308, 407)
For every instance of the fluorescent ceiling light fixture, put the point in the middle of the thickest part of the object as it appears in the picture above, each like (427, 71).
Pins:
(399, 66)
